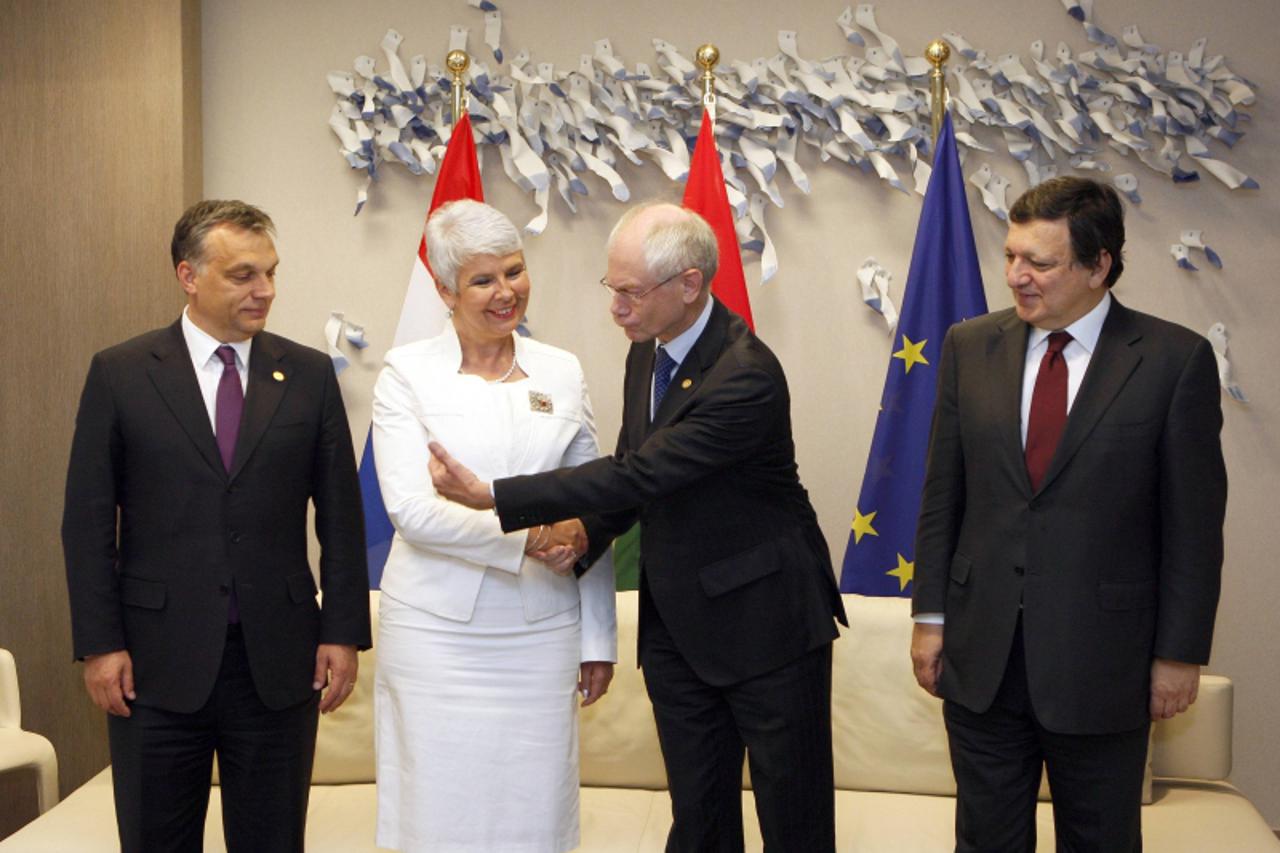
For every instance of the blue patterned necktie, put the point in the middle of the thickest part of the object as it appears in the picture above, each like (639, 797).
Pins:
(663, 366)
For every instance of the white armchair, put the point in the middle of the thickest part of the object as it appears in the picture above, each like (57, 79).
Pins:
(19, 749)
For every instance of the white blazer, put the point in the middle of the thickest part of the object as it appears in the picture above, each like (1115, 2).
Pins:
(441, 549)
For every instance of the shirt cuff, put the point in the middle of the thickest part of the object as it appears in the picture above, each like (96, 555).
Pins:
(930, 618)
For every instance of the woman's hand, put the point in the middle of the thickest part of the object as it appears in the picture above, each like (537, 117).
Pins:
(558, 545)
(560, 559)
(593, 680)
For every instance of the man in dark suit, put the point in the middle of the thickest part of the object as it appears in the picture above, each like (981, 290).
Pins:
(197, 448)
(1069, 545)
(737, 594)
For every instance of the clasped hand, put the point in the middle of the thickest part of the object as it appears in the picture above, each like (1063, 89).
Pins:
(557, 545)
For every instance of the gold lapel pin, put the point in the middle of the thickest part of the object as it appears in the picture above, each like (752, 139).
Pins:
(687, 384)
(277, 376)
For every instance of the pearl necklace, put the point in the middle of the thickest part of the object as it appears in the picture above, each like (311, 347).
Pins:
(510, 370)
(504, 377)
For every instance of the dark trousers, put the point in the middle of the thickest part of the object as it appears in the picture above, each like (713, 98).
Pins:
(1095, 780)
(782, 720)
(162, 763)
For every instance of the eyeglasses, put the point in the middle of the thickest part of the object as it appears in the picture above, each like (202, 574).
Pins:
(631, 297)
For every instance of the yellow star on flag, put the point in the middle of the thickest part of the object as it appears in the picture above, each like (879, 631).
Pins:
(862, 525)
(905, 572)
(911, 353)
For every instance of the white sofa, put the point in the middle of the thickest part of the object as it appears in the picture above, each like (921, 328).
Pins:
(893, 779)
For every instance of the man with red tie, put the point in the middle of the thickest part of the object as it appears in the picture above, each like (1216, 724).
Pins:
(197, 450)
(1069, 546)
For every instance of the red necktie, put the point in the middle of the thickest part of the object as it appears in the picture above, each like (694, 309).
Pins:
(1048, 409)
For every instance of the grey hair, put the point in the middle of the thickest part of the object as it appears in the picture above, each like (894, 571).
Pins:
(670, 248)
(202, 217)
(462, 230)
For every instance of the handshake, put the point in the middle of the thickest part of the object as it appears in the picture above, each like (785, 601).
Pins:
(557, 545)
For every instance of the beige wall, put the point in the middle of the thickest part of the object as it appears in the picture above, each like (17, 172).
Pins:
(266, 103)
(99, 139)
(101, 151)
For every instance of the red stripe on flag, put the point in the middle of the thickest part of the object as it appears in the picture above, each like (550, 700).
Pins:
(705, 194)
(459, 175)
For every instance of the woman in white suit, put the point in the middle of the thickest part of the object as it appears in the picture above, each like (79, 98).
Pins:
(486, 638)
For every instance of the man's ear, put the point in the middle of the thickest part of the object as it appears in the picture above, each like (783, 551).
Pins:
(690, 285)
(1098, 275)
(186, 274)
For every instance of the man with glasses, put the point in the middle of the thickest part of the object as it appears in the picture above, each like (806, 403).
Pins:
(737, 593)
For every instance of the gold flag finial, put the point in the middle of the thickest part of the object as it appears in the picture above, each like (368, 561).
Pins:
(707, 57)
(457, 62)
(938, 52)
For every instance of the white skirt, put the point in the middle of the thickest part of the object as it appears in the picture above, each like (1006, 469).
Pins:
(476, 727)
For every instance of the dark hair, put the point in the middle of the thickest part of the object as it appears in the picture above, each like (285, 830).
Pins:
(1094, 216)
(203, 216)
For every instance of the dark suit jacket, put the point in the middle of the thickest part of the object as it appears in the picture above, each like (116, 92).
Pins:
(1115, 560)
(157, 583)
(730, 548)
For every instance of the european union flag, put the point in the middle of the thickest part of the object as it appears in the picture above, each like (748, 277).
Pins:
(944, 286)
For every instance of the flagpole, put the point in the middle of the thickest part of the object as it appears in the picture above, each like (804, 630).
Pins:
(707, 57)
(938, 52)
(458, 62)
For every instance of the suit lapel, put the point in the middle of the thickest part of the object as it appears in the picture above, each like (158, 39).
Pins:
(635, 392)
(1112, 363)
(174, 378)
(1007, 352)
(688, 376)
(268, 379)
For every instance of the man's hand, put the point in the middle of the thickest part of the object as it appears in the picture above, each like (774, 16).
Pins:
(109, 680)
(570, 532)
(926, 655)
(454, 481)
(593, 681)
(1174, 686)
(335, 665)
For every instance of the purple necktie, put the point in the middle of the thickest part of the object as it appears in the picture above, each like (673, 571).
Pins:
(1048, 415)
(226, 426)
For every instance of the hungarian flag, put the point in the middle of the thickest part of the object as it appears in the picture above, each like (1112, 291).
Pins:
(422, 316)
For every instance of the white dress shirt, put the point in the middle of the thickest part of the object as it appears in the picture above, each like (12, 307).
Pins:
(1077, 353)
(208, 366)
(679, 346)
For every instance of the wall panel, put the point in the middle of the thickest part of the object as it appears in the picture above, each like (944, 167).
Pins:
(101, 137)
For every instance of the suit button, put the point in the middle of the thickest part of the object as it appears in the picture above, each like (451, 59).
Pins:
(1018, 570)
(235, 538)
